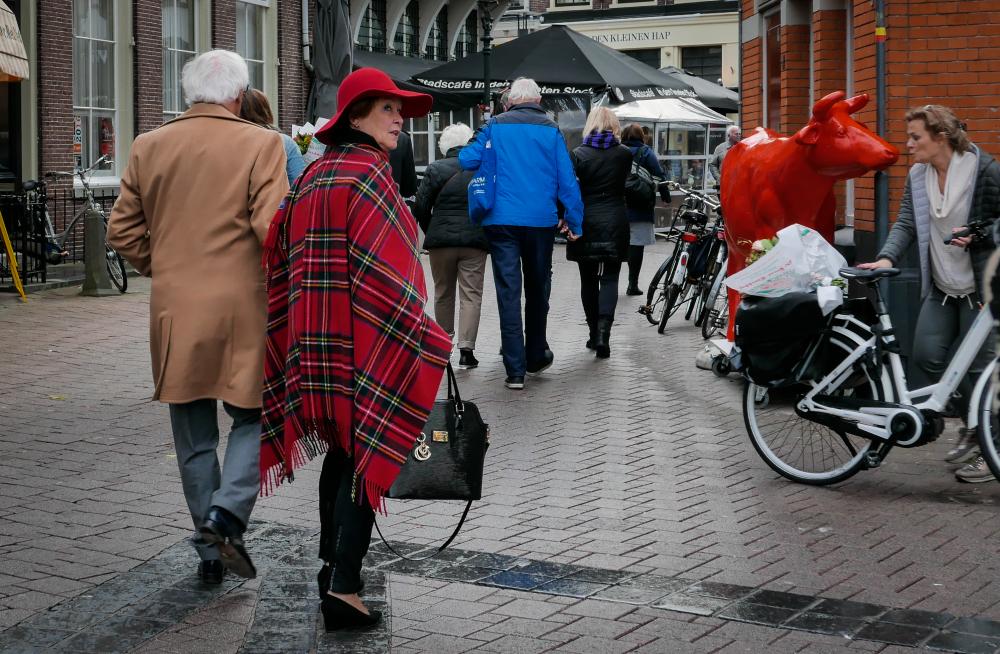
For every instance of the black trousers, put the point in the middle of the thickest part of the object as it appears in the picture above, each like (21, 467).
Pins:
(599, 289)
(345, 525)
(635, 253)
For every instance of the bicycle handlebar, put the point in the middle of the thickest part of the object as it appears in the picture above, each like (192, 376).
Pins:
(674, 186)
(105, 159)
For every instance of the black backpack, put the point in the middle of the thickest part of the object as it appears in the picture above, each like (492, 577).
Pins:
(640, 187)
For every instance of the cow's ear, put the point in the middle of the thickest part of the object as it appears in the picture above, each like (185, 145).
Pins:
(809, 134)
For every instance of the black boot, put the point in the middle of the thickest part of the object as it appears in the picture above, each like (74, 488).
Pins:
(635, 253)
(593, 335)
(602, 345)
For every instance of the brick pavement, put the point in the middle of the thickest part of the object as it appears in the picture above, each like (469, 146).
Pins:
(636, 464)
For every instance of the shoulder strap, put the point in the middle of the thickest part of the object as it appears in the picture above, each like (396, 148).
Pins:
(440, 549)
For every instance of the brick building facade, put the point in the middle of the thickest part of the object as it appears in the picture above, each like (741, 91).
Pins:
(796, 51)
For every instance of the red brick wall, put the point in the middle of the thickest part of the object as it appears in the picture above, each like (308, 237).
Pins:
(751, 94)
(829, 31)
(293, 81)
(224, 23)
(148, 51)
(55, 84)
(794, 77)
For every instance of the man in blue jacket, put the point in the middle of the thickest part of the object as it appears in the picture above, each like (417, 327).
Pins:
(534, 176)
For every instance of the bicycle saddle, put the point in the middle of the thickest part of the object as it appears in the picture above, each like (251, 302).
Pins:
(29, 185)
(866, 275)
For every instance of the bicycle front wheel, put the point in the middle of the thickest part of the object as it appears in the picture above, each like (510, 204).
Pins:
(116, 269)
(656, 294)
(716, 308)
(800, 449)
(673, 293)
(989, 428)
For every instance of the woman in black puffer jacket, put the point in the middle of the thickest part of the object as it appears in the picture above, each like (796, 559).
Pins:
(602, 165)
(457, 247)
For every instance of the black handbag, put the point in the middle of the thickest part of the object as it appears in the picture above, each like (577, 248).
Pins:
(446, 462)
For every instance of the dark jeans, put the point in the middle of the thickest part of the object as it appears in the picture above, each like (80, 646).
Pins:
(635, 253)
(345, 525)
(517, 250)
(941, 325)
(599, 289)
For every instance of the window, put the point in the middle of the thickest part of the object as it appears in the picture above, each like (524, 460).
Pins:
(572, 3)
(772, 71)
(421, 141)
(468, 36)
(649, 56)
(405, 41)
(94, 104)
(683, 152)
(371, 36)
(179, 47)
(437, 40)
(250, 38)
(704, 62)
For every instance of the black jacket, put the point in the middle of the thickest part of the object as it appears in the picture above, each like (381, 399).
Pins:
(404, 171)
(602, 175)
(442, 206)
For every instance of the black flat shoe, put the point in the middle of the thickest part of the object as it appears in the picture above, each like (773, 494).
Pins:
(338, 615)
(210, 572)
(633, 290)
(224, 530)
(325, 576)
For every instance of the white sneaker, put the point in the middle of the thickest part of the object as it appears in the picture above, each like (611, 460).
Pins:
(976, 472)
(965, 449)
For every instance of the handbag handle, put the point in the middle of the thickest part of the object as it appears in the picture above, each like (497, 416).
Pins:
(440, 549)
(453, 395)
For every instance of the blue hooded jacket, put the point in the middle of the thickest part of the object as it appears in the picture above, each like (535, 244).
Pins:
(534, 170)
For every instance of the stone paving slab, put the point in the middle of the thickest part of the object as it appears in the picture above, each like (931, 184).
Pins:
(633, 466)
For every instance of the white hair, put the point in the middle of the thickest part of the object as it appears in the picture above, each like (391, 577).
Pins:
(454, 135)
(216, 77)
(524, 89)
(731, 130)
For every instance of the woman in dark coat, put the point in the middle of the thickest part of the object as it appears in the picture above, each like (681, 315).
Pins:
(602, 165)
(457, 246)
(640, 219)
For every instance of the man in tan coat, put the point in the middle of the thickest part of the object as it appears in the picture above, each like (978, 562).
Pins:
(196, 201)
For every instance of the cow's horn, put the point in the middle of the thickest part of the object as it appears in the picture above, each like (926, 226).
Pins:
(824, 104)
(856, 103)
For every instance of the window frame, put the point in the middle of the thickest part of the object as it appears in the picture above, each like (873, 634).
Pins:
(269, 50)
(201, 34)
(123, 94)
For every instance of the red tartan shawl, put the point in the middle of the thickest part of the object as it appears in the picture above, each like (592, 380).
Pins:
(352, 360)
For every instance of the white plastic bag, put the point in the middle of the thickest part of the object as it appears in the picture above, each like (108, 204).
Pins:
(801, 261)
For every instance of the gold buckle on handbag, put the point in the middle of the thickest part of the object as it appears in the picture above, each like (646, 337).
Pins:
(440, 436)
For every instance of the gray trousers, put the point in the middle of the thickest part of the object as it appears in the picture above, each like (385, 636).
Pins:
(942, 324)
(236, 485)
(466, 267)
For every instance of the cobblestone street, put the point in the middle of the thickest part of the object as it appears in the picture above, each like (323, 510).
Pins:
(624, 510)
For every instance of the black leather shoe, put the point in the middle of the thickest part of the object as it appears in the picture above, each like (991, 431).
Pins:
(633, 290)
(210, 572)
(224, 530)
(514, 383)
(544, 364)
(338, 614)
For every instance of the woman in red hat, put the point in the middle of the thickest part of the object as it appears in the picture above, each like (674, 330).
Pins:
(353, 363)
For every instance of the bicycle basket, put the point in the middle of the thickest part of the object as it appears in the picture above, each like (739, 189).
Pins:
(773, 335)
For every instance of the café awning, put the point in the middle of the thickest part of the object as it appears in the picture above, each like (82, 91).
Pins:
(13, 59)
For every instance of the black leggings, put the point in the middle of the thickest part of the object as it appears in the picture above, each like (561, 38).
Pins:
(599, 289)
(635, 253)
(345, 525)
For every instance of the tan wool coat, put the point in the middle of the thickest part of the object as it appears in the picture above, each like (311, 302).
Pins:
(196, 200)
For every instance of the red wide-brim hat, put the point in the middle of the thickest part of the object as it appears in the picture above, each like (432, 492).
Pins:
(373, 83)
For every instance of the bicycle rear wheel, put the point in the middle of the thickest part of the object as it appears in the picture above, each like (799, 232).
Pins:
(800, 449)
(716, 311)
(989, 429)
(671, 304)
(116, 269)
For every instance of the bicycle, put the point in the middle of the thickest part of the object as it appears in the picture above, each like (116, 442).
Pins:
(672, 285)
(54, 247)
(848, 403)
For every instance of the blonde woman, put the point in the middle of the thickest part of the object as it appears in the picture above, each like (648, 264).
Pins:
(457, 246)
(602, 165)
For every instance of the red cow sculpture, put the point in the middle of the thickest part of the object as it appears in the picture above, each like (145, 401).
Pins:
(771, 181)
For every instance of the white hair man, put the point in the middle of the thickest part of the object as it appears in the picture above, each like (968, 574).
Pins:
(457, 247)
(196, 201)
(536, 194)
(715, 164)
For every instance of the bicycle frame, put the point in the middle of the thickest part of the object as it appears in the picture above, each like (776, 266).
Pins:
(873, 420)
